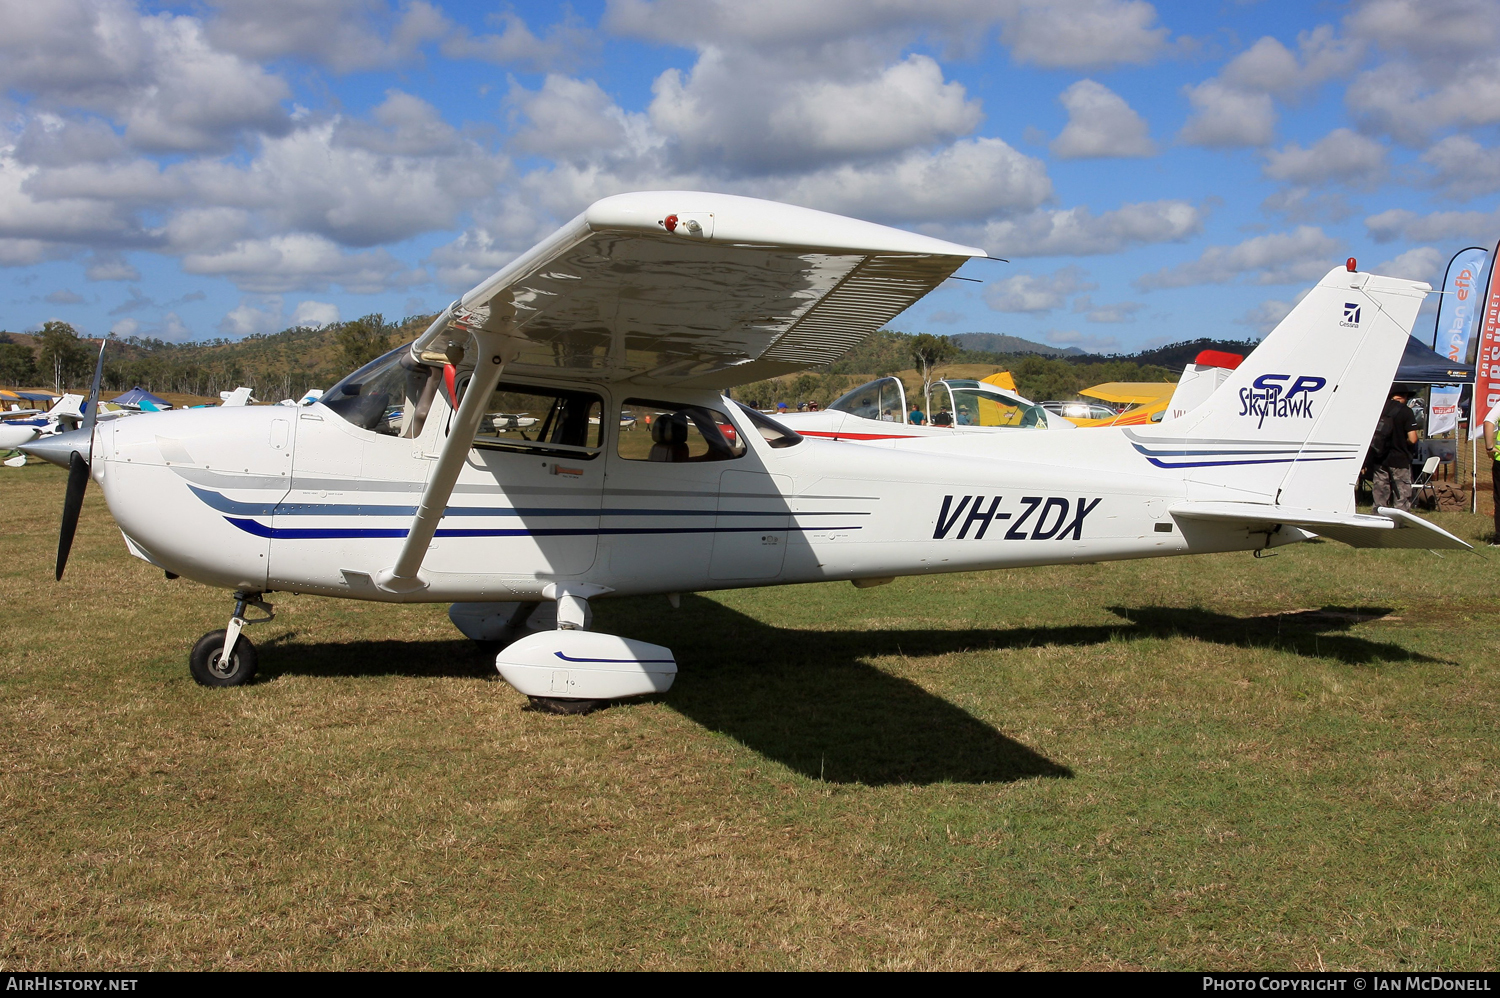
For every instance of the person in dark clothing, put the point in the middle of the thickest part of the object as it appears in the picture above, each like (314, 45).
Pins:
(1391, 473)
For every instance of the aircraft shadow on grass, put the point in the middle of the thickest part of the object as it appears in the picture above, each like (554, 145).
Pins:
(810, 700)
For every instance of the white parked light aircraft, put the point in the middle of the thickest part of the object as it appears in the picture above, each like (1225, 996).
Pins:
(391, 487)
(66, 414)
(878, 411)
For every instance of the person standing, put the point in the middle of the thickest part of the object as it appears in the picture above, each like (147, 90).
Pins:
(916, 417)
(1391, 474)
(1490, 423)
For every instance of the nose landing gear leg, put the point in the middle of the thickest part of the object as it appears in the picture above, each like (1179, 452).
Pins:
(226, 657)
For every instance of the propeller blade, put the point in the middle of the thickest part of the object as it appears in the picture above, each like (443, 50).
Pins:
(78, 468)
(78, 483)
(90, 416)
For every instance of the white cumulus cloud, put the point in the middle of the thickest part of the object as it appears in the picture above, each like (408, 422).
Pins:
(1304, 254)
(1425, 263)
(1439, 226)
(1100, 124)
(1036, 292)
(302, 261)
(1079, 232)
(1462, 168)
(315, 313)
(1342, 155)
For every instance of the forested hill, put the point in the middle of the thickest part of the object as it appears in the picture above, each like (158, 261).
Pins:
(1179, 355)
(1004, 343)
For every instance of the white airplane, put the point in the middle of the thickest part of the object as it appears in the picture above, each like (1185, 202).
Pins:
(1200, 379)
(501, 421)
(240, 396)
(66, 414)
(878, 411)
(387, 488)
(309, 396)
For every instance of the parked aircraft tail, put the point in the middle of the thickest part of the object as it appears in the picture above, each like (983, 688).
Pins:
(1291, 425)
(240, 396)
(1199, 380)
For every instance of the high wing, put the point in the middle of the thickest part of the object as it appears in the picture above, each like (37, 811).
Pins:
(698, 290)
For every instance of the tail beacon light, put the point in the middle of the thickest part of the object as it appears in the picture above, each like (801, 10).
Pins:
(586, 665)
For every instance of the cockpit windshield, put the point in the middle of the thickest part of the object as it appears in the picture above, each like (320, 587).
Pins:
(882, 399)
(979, 404)
(391, 395)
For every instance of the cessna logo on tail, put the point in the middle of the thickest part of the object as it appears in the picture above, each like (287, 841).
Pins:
(1351, 315)
(1040, 519)
(1269, 398)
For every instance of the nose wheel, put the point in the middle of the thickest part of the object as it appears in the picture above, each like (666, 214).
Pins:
(225, 657)
(210, 666)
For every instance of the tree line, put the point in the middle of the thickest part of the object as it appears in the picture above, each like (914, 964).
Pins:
(922, 357)
(288, 363)
(283, 365)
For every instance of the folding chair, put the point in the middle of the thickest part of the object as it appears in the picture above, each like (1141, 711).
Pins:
(1423, 482)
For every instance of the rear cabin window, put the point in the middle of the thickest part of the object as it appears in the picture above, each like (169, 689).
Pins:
(771, 432)
(521, 418)
(669, 433)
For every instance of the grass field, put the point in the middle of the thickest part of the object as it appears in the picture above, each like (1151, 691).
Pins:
(1211, 762)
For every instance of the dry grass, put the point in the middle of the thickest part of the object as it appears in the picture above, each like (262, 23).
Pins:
(1199, 762)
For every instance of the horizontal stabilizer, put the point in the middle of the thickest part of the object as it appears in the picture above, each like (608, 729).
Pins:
(1388, 528)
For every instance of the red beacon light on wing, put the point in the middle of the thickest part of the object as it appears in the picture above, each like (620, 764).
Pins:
(670, 223)
(1350, 265)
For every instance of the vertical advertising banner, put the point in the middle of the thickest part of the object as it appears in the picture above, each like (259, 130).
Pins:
(1487, 358)
(1442, 414)
(1463, 286)
(1463, 289)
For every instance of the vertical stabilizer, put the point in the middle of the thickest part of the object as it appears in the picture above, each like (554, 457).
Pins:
(1291, 424)
(1199, 380)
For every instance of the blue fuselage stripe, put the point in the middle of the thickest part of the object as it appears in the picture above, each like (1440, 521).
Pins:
(224, 504)
(1223, 464)
(333, 533)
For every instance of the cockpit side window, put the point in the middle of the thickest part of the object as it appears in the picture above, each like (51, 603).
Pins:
(541, 420)
(674, 433)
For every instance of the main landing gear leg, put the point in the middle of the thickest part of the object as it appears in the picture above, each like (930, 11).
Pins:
(226, 657)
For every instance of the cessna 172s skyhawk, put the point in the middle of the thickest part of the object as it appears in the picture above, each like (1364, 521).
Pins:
(409, 482)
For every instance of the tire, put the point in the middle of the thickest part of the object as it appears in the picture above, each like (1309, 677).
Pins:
(206, 668)
(565, 705)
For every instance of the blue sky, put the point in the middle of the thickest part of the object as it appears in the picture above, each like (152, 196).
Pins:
(1153, 172)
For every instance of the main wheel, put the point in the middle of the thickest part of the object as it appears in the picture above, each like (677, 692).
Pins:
(566, 705)
(207, 664)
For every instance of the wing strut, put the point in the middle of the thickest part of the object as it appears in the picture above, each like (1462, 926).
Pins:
(403, 576)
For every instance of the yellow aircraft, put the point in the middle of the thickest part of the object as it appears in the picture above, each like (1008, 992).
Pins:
(1147, 401)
